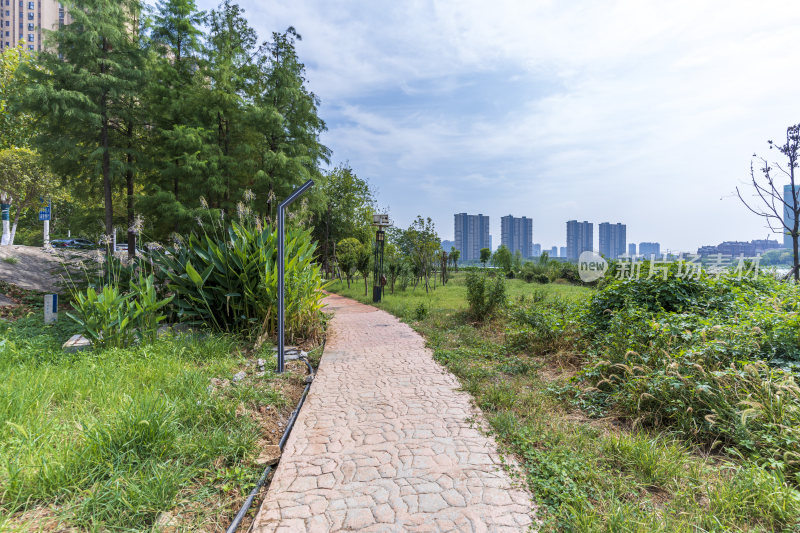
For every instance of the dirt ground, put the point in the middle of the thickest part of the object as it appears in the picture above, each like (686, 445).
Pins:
(37, 269)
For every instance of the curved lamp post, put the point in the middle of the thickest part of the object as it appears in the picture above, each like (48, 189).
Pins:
(282, 266)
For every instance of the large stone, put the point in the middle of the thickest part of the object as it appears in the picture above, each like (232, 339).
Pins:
(77, 343)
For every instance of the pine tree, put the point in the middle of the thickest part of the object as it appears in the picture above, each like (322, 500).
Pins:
(91, 75)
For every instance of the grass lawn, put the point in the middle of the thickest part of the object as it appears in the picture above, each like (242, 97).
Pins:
(122, 439)
(586, 474)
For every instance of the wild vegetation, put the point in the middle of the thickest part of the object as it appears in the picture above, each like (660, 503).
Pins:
(649, 405)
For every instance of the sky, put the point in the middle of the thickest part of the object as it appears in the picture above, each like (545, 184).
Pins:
(635, 111)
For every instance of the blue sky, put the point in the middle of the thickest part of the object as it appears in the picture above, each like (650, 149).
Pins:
(640, 112)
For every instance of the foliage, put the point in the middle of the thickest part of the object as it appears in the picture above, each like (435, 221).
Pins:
(24, 178)
(111, 318)
(486, 254)
(364, 264)
(346, 211)
(709, 358)
(502, 258)
(485, 297)
(226, 279)
(16, 126)
(419, 244)
(348, 252)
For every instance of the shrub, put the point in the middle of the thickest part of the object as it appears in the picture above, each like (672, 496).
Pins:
(113, 319)
(485, 297)
(228, 280)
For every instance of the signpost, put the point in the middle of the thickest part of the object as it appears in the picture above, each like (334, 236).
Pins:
(44, 216)
(50, 308)
(5, 212)
(381, 220)
(282, 266)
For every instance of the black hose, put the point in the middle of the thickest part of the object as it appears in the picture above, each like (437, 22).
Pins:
(237, 520)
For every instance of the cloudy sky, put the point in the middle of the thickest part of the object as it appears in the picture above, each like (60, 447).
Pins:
(633, 111)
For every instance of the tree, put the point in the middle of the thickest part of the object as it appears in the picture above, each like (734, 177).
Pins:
(502, 258)
(24, 178)
(394, 264)
(454, 256)
(91, 73)
(420, 244)
(346, 211)
(486, 254)
(16, 126)
(781, 214)
(363, 264)
(517, 261)
(347, 253)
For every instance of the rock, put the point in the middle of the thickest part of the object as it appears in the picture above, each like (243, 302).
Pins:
(269, 455)
(217, 383)
(260, 374)
(166, 523)
(261, 363)
(77, 343)
(309, 379)
(239, 376)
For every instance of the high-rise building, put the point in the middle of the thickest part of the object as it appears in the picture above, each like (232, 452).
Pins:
(650, 249)
(537, 250)
(632, 249)
(471, 234)
(788, 214)
(447, 245)
(612, 239)
(580, 238)
(24, 21)
(562, 251)
(554, 251)
(517, 234)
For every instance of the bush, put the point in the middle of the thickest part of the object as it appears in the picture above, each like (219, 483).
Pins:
(485, 297)
(112, 319)
(228, 280)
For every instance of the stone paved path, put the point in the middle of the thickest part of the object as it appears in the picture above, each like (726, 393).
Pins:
(384, 442)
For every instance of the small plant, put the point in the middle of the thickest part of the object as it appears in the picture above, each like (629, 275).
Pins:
(107, 317)
(421, 312)
(485, 297)
(11, 260)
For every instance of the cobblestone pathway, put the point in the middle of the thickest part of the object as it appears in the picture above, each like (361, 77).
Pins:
(384, 442)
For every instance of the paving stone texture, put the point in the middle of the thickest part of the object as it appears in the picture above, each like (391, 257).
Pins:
(386, 442)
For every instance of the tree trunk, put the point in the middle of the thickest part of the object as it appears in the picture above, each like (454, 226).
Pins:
(130, 207)
(106, 167)
(14, 226)
(365, 285)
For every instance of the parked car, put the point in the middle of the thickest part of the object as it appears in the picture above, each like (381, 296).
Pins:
(72, 243)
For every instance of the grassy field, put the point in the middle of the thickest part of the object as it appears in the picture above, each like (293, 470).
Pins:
(587, 474)
(125, 439)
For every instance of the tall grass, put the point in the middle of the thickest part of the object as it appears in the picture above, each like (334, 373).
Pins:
(112, 437)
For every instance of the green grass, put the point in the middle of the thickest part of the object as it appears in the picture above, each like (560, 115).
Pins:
(11, 260)
(110, 439)
(586, 474)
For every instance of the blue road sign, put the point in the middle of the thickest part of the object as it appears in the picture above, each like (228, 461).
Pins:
(44, 210)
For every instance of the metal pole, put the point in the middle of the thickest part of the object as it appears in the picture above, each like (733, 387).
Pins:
(281, 267)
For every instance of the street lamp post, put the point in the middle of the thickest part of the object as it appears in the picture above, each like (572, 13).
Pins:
(381, 221)
(282, 266)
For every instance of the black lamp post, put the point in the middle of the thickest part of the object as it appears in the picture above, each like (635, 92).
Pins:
(282, 266)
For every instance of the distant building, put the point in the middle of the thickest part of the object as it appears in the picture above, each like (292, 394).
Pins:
(516, 233)
(632, 249)
(471, 234)
(737, 248)
(612, 239)
(447, 245)
(562, 252)
(650, 249)
(580, 238)
(788, 215)
(27, 21)
(536, 251)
